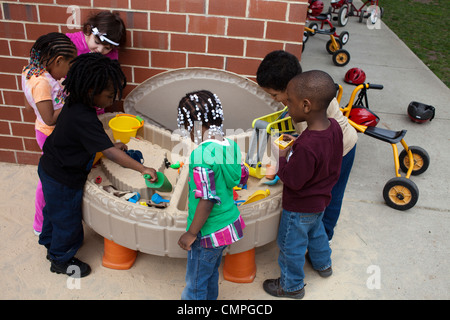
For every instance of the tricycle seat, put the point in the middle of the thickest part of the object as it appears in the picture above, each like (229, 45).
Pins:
(385, 135)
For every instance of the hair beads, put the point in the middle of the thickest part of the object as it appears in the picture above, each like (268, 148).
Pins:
(200, 109)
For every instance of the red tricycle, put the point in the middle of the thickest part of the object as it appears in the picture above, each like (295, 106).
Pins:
(346, 8)
(314, 13)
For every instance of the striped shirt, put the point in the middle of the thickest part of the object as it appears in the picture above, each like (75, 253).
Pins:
(205, 189)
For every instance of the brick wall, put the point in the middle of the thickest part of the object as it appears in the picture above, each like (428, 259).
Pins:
(233, 35)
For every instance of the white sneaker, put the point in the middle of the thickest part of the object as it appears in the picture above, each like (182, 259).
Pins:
(36, 233)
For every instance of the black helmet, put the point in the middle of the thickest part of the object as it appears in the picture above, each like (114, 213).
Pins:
(419, 112)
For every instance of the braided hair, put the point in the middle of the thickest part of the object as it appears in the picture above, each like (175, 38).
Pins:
(203, 107)
(46, 49)
(89, 75)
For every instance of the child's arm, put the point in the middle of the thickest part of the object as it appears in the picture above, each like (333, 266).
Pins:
(202, 212)
(117, 155)
(47, 113)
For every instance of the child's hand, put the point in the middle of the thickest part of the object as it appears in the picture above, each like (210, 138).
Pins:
(152, 173)
(186, 240)
(121, 146)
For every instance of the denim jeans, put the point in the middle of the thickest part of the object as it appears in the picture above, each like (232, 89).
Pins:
(202, 272)
(298, 232)
(62, 230)
(333, 210)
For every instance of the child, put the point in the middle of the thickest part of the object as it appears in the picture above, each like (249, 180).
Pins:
(103, 32)
(93, 80)
(309, 171)
(50, 59)
(273, 75)
(215, 168)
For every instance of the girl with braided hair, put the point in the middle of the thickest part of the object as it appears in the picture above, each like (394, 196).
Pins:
(93, 80)
(215, 167)
(50, 59)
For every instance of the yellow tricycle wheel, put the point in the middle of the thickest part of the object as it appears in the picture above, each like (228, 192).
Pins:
(400, 193)
(420, 157)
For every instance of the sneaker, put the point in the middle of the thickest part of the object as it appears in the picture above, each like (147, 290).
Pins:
(84, 268)
(325, 273)
(273, 287)
(36, 233)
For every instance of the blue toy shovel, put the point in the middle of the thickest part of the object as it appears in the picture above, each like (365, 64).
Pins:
(156, 198)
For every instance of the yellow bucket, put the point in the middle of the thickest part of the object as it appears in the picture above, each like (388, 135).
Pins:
(124, 126)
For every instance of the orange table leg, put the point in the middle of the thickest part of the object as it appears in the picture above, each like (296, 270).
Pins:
(118, 257)
(240, 267)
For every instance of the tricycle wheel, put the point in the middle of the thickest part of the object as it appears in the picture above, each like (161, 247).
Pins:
(305, 36)
(344, 36)
(400, 193)
(341, 58)
(331, 48)
(420, 157)
(343, 16)
(313, 26)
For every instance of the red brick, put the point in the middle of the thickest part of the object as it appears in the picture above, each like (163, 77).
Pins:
(12, 30)
(142, 74)
(4, 48)
(7, 156)
(10, 113)
(20, 12)
(171, 60)
(21, 48)
(245, 28)
(13, 98)
(242, 66)
(284, 31)
(135, 57)
(190, 43)
(31, 145)
(226, 46)
(232, 8)
(187, 6)
(206, 25)
(4, 128)
(11, 65)
(295, 49)
(8, 81)
(84, 3)
(53, 14)
(28, 158)
(150, 40)
(205, 61)
(12, 143)
(268, 10)
(153, 5)
(297, 12)
(34, 31)
(23, 129)
(28, 116)
(167, 22)
(259, 49)
(135, 20)
(111, 4)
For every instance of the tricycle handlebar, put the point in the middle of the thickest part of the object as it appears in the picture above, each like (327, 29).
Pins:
(375, 86)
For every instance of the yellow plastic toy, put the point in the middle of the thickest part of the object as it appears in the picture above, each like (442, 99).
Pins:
(257, 195)
(263, 127)
(283, 143)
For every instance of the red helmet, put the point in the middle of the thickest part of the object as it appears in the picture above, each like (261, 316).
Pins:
(419, 112)
(315, 7)
(363, 116)
(355, 76)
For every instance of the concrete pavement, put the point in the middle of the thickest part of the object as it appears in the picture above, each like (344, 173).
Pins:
(378, 252)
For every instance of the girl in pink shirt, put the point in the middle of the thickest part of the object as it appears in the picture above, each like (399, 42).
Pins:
(103, 32)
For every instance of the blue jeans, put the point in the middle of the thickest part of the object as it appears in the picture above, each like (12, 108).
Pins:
(62, 229)
(298, 232)
(333, 210)
(202, 272)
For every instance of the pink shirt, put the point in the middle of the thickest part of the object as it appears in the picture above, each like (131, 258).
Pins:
(79, 41)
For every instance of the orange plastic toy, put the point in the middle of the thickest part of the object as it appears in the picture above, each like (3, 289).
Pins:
(117, 257)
